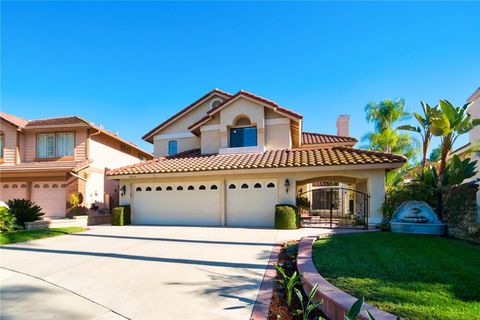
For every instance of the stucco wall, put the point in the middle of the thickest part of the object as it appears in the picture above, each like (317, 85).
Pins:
(10, 136)
(183, 144)
(210, 141)
(278, 136)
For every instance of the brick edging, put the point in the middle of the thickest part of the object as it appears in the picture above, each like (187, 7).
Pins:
(264, 297)
(335, 302)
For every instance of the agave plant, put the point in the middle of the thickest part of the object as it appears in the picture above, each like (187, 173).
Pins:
(24, 210)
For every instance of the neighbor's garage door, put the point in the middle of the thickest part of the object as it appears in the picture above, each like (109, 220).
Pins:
(51, 196)
(13, 190)
(251, 203)
(193, 204)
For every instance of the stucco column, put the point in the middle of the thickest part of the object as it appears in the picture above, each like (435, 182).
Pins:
(127, 197)
(223, 203)
(285, 197)
(376, 189)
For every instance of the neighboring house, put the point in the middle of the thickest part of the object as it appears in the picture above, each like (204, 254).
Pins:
(46, 160)
(472, 148)
(227, 160)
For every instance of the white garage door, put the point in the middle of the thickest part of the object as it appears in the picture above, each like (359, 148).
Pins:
(51, 196)
(13, 190)
(251, 203)
(190, 204)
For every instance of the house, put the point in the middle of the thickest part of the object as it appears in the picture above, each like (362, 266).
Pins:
(227, 160)
(45, 160)
(472, 148)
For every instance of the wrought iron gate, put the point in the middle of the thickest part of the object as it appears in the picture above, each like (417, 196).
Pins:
(334, 207)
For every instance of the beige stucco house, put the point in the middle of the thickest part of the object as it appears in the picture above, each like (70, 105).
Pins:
(227, 160)
(45, 160)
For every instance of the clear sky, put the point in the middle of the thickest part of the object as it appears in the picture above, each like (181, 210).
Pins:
(131, 65)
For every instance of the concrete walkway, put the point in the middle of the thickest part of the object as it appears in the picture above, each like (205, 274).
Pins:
(139, 272)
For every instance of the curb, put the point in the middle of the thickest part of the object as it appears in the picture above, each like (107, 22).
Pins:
(336, 302)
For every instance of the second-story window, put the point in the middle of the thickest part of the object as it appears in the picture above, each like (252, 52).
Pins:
(55, 145)
(2, 145)
(243, 134)
(172, 147)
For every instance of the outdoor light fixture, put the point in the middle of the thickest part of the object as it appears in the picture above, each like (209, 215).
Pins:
(287, 184)
(123, 190)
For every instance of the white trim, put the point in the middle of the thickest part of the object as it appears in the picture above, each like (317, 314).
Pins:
(277, 121)
(177, 135)
(210, 127)
(256, 149)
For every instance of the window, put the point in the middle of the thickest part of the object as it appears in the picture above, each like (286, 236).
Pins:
(257, 185)
(55, 145)
(148, 189)
(244, 186)
(36, 186)
(232, 186)
(243, 137)
(215, 103)
(138, 189)
(179, 188)
(14, 186)
(271, 185)
(2, 145)
(169, 188)
(158, 189)
(172, 147)
(45, 186)
(202, 187)
(213, 187)
(54, 185)
(191, 188)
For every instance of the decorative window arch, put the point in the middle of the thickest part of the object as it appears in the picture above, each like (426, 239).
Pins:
(169, 188)
(158, 188)
(232, 186)
(257, 185)
(244, 186)
(45, 186)
(215, 103)
(148, 189)
(242, 121)
(191, 188)
(14, 186)
(202, 187)
(179, 188)
(138, 189)
(271, 185)
(5, 186)
(213, 187)
(54, 185)
(36, 186)
(23, 186)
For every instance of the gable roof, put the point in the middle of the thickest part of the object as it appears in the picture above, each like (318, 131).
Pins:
(474, 95)
(149, 135)
(194, 161)
(310, 138)
(242, 93)
(58, 121)
(13, 120)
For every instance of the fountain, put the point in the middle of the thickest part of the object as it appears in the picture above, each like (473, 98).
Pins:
(416, 217)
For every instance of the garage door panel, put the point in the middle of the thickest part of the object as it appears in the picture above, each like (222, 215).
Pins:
(51, 197)
(176, 207)
(251, 203)
(13, 190)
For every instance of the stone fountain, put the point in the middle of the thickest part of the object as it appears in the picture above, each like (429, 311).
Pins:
(416, 217)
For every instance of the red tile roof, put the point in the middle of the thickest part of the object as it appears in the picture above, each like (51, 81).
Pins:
(148, 136)
(68, 120)
(320, 138)
(193, 161)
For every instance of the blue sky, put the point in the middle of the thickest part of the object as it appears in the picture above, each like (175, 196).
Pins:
(130, 65)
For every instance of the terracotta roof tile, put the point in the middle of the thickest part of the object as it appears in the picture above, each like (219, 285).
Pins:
(57, 121)
(193, 161)
(320, 138)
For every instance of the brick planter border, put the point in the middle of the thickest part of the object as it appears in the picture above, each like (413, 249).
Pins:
(335, 302)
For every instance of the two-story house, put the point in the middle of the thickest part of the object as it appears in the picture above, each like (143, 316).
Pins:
(227, 160)
(46, 160)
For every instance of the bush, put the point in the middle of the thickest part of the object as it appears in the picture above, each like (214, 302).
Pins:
(127, 214)
(24, 210)
(8, 222)
(118, 216)
(286, 217)
(302, 203)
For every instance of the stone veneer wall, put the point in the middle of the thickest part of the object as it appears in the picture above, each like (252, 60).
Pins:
(460, 212)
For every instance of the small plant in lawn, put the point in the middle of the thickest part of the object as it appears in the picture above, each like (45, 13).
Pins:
(288, 283)
(8, 222)
(309, 305)
(355, 309)
(24, 210)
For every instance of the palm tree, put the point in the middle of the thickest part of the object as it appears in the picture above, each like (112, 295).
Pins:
(385, 138)
(424, 130)
(449, 124)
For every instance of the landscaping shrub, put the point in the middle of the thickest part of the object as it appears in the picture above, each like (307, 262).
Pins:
(127, 214)
(24, 210)
(302, 203)
(118, 216)
(8, 222)
(286, 217)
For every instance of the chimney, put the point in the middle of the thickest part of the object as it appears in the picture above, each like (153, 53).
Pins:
(343, 125)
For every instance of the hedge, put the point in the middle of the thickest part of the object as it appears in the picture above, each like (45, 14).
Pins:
(286, 217)
(127, 214)
(118, 216)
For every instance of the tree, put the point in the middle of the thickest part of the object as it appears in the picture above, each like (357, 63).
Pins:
(449, 124)
(424, 130)
(435, 154)
(385, 138)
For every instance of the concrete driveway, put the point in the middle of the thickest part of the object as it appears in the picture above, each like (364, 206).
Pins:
(138, 272)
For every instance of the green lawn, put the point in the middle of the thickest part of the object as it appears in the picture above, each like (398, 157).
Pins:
(24, 235)
(412, 276)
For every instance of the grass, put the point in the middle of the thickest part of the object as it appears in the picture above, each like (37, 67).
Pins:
(412, 276)
(27, 235)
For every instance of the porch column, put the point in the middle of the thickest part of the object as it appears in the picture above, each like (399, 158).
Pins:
(376, 189)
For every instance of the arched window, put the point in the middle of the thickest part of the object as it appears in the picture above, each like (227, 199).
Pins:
(243, 134)
(14, 186)
(202, 187)
(45, 186)
(54, 185)
(215, 103)
(5, 186)
(244, 186)
(64, 185)
(35, 186)
(23, 186)
(169, 188)
(191, 188)
(172, 147)
(148, 189)
(257, 185)
(179, 188)
(138, 189)
(158, 189)
(213, 187)
(232, 186)
(271, 185)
